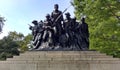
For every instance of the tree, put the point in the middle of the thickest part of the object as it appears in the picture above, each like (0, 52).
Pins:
(25, 42)
(103, 18)
(16, 36)
(8, 48)
(13, 44)
(21, 40)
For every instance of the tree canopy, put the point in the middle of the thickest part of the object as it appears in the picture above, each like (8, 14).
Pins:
(103, 18)
(13, 44)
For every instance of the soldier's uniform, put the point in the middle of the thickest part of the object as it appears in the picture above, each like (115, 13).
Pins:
(57, 19)
(49, 32)
(67, 29)
(67, 23)
(84, 34)
(40, 33)
(35, 29)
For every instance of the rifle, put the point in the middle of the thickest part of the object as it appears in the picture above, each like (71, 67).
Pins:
(30, 27)
(29, 24)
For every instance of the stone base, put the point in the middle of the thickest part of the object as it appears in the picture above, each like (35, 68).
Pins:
(61, 60)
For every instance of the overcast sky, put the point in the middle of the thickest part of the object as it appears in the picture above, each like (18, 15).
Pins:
(20, 13)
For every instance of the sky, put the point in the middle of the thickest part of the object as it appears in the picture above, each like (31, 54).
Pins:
(20, 13)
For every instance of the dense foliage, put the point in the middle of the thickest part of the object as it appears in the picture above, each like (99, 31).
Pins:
(13, 44)
(103, 18)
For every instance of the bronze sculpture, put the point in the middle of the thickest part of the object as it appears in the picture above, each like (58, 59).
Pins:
(57, 33)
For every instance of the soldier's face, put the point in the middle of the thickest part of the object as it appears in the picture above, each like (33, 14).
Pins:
(67, 17)
(35, 23)
(83, 20)
(47, 17)
(56, 7)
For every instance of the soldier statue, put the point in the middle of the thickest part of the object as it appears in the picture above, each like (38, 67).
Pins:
(49, 32)
(84, 34)
(77, 40)
(37, 43)
(67, 28)
(57, 19)
(34, 29)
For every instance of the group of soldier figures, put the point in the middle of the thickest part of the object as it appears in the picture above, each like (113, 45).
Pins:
(55, 33)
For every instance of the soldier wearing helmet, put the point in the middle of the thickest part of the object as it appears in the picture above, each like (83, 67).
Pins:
(67, 22)
(48, 21)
